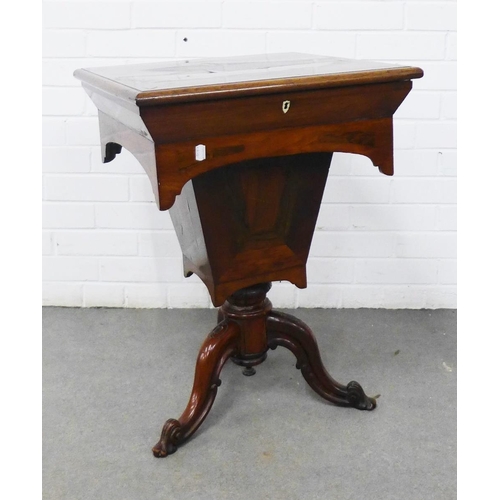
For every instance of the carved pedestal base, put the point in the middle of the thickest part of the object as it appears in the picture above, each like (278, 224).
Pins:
(247, 328)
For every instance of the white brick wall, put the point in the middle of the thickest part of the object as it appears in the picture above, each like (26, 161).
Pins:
(379, 242)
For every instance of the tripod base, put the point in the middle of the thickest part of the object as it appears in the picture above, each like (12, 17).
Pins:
(247, 328)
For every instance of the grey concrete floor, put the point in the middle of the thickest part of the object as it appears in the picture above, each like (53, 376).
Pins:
(112, 377)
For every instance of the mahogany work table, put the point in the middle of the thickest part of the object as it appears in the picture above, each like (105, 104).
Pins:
(238, 149)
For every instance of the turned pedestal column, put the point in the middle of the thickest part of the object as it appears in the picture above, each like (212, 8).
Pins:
(248, 327)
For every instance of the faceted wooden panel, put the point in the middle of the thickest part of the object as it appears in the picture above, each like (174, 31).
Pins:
(251, 222)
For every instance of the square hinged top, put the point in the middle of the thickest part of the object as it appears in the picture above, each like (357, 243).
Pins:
(201, 79)
(187, 117)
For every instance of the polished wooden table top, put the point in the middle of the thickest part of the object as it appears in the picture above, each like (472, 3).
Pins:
(183, 118)
(199, 79)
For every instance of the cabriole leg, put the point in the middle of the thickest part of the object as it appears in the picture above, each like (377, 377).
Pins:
(290, 332)
(217, 348)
